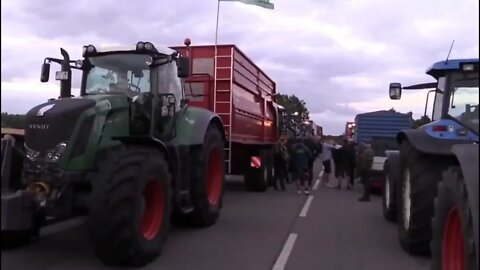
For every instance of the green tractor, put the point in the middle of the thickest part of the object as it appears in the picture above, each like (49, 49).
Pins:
(129, 153)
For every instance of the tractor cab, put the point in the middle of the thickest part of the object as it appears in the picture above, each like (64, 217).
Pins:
(455, 108)
(141, 77)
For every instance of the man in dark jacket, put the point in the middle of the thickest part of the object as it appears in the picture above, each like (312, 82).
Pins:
(280, 163)
(300, 159)
(364, 167)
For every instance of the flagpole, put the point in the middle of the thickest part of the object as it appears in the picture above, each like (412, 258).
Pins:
(215, 60)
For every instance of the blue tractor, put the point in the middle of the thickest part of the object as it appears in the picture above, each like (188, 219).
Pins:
(432, 189)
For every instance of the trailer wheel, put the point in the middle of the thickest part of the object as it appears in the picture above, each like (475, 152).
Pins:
(131, 206)
(258, 173)
(452, 240)
(415, 196)
(208, 179)
(388, 194)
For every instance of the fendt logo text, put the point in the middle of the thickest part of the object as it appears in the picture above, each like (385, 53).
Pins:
(38, 126)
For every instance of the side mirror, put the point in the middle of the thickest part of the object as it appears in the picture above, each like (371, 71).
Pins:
(183, 65)
(395, 91)
(45, 74)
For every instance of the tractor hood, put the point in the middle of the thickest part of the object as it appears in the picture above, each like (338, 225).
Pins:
(51, 123)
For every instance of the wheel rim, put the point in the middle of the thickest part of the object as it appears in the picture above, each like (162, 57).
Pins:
(214, 176)
(406, 199)
(387, 191)
(152, 218)
(452, 244)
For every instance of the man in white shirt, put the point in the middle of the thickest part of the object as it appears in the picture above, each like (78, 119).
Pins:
(326, 157)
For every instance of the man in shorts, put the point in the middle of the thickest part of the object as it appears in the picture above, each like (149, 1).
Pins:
(326, 156)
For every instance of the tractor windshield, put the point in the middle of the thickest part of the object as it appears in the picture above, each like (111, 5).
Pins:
(118, 73)
(464, 102)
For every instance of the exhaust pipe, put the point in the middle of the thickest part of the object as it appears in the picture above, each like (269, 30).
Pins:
(66, 85)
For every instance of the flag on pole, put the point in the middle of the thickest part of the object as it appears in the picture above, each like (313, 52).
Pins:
(261, 3)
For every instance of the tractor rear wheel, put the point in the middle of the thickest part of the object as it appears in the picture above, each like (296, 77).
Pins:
(131, 205)
(452, 240)
(415, 197)
(208, 179)
(388, 197)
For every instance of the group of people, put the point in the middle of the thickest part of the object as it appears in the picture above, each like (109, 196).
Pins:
(294, 159)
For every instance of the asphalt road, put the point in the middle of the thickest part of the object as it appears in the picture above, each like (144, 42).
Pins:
(272, 230)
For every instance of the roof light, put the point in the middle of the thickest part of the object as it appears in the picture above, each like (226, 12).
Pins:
(148, 46)
(468, 67)
(140, 45)
(90, 49)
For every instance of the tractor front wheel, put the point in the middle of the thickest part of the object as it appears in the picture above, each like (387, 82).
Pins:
(452, 241)
(388, 194)
(208, 179)
(131, 205)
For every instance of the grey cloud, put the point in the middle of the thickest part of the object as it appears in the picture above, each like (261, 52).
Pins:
(409, 45)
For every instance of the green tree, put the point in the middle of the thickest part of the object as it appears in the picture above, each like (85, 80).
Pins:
(422, 121)
(293, 104)
(13, 120)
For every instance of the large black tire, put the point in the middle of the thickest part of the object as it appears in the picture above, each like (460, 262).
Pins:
(421, 173)
(257, 179)
(388, 194)
(131, 206)
(452, 240)
(208, 179)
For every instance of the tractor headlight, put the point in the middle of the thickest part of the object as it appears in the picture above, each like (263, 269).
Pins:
(32, 154)
(468, 67)
(56, 153)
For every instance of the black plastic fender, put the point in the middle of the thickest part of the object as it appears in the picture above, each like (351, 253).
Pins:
(192, 124)
(467, 156)
(425, 143)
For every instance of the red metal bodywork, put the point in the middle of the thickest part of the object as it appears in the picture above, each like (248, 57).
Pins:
(239, 92)
(243, 96)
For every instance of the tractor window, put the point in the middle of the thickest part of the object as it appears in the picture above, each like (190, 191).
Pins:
(168, 81)
(437, 103)
(118, 73)
(464, 102)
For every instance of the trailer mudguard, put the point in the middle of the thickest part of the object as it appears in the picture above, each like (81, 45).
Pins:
(467, 156)
(424, 142)
(192, 125)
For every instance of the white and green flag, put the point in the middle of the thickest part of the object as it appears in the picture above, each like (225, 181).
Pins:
(261, 3)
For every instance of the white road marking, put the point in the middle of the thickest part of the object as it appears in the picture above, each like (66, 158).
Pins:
(306, 206)
(285, 253)
(315, 186)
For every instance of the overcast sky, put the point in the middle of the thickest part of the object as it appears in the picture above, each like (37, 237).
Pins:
(339, 56)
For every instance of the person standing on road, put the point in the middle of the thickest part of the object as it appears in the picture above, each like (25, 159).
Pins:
(312, 146)
(280, 163)
(364, 166)
(339, 156)
(326, 157)
(300, 158)
(349, 162)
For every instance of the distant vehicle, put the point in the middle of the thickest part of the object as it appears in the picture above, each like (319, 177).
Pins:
(379, 129)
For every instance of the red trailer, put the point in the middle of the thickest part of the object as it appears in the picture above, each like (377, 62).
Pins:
(244, 97)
